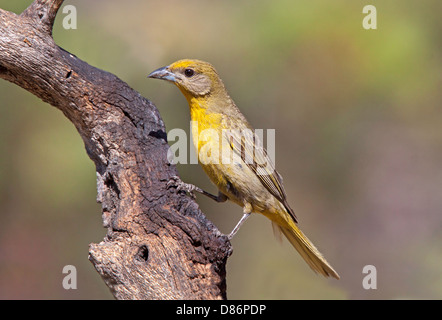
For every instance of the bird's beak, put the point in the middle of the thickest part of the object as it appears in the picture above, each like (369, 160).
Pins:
(163, 73)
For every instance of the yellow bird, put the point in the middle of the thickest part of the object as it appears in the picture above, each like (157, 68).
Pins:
(234, 158)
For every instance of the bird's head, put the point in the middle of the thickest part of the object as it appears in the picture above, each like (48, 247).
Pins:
(194, 77)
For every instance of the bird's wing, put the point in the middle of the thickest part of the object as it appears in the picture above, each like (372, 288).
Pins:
(246, 144)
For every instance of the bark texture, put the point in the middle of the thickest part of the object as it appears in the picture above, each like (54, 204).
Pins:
(159, 245)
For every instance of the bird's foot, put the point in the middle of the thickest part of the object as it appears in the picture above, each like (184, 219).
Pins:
(176, 182)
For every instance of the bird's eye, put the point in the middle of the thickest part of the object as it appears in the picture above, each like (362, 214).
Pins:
(189, 72)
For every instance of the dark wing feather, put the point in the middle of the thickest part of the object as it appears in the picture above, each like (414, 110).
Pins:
(246, 143)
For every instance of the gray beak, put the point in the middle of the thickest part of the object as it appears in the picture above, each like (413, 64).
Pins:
(163, 73)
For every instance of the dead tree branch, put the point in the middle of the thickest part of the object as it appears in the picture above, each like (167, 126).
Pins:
(158, 245)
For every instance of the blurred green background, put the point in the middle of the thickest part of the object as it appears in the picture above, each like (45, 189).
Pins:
(358, 119)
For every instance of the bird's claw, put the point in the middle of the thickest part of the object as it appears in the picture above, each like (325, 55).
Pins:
(173, 182)
(176, 182)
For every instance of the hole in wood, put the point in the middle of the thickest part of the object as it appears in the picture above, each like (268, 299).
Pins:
(142, 254)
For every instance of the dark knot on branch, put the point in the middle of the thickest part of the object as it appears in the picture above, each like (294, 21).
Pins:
(44, 13)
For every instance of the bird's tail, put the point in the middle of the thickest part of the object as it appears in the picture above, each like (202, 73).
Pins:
(307, 250)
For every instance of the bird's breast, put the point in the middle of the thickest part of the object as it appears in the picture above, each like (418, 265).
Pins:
(206, 126)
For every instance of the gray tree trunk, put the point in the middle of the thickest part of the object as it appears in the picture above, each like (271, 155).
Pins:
(159, 245)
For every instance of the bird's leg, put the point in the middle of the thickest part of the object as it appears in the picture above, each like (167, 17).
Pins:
(247, 211)
(175, 181)
(221, 197)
